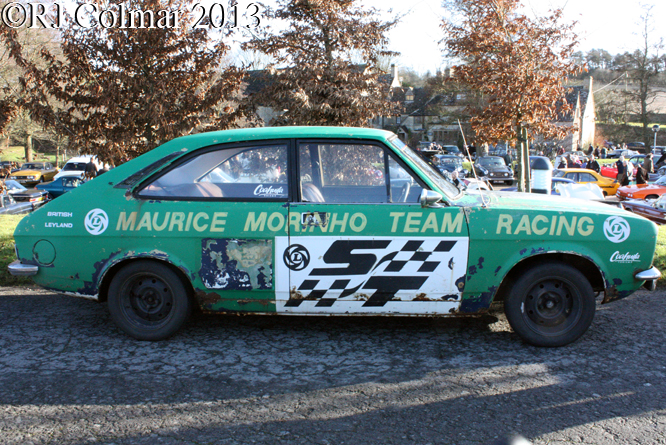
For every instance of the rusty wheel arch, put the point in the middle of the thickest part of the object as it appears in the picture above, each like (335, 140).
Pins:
(113, 270)
(585, 265)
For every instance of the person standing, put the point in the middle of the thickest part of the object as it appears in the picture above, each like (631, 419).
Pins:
(592, 164)
(648, 164)
(621, 170)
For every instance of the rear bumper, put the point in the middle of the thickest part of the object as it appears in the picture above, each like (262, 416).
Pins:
(22, 270)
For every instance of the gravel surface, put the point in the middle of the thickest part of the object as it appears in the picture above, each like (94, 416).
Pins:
(69, 376)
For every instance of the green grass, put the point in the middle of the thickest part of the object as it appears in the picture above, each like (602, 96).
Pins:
(17, 153)
(7, 225)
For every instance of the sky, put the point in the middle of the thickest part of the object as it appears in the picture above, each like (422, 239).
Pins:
(613, 26)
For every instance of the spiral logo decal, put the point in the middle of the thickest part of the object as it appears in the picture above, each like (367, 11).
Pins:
(616, 229)
(96, 221)
(296, 257)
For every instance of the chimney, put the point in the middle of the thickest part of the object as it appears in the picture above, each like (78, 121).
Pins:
(395, 82)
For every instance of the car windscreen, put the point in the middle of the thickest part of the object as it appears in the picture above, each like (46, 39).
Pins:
(446, 187)
(492, 162)
(75, 166)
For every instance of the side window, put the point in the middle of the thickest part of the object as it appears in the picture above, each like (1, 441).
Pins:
(586, 177)
(258, 172)
(351, 173)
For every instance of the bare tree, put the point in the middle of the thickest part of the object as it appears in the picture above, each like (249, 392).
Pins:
(643, 67)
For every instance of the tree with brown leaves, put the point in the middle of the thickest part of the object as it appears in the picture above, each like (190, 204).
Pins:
(119, 92)
(518, 64)
(325, 63)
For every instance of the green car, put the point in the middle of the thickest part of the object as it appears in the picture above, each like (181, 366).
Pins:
(326, 221)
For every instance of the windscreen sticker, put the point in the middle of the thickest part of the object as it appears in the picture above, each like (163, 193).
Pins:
(235, 264)
(367, 274)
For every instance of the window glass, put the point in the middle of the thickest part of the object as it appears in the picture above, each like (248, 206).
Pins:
(352, 173)
(586, 177)
(240, 172)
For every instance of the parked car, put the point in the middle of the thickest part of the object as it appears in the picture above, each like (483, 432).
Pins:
(554, 188)
(307, 220)
(60, 186)
(583, 176)
(643, 191)
(615, 154)
(451, 163)
(32, 173)
(652, 209)
(9, 206)
(452, 150)
(497, 169)
(21, 194)
(77, 166)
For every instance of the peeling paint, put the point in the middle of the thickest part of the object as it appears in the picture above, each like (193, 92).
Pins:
(497, 270)
(522, 252)
(451, 297)
(478, 303)
(421, 297)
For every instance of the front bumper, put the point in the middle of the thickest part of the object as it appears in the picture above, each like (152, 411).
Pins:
(22, 270)
(650, 277)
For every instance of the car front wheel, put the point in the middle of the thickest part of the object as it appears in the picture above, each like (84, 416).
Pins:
(550, 305)
(148, 301)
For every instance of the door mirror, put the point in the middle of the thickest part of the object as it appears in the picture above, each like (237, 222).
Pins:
(430, 198)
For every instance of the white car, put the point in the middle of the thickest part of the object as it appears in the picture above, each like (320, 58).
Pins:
(77, 166)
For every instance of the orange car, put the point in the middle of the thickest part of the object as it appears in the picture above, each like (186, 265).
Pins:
(643, 191)
(583, 176)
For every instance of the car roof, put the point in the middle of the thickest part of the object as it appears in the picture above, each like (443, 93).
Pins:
(199, 140)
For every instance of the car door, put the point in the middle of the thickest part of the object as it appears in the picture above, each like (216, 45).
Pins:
(359, 241)
(230, 203)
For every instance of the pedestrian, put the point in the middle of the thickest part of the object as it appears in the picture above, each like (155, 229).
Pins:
(648, 164)
(597, 152)
(604, 152)
(592, 164)
(90, 171)
(641, 175)
(621, 170)
(563, 162)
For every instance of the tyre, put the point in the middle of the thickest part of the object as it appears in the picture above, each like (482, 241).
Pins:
(148, 301)
(550, 305)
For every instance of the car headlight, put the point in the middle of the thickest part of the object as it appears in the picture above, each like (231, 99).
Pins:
(31, 177)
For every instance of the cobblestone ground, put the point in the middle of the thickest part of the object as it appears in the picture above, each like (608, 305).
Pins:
(69, 376)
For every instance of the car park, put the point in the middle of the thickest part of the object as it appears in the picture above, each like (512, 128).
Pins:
(32, 173)
(497, 170)
(584, 176)
(643, 191)
(35, 197)
(308, 221)
(627, 153)
(60, 186)
(652, 209)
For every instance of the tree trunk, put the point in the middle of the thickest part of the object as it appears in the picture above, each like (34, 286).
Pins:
(28, 148)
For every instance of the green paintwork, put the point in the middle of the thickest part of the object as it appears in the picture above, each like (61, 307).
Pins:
(503, 229)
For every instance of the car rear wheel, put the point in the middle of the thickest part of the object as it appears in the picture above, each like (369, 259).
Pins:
(550, 305)
(148, 301)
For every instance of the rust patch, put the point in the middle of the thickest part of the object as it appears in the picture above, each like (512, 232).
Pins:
(263, 302)
(207, 298)
(421, 297)
(361, 297)
(295, 295)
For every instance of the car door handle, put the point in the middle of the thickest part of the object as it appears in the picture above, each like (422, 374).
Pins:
(314, 219)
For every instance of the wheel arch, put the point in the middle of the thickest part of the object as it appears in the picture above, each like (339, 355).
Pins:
(583, 264)
(115, 268)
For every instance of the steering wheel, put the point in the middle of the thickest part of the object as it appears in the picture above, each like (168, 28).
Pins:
(404, 192)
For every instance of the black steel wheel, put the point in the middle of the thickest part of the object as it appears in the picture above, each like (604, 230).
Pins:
(550, 305)
(148, 301)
